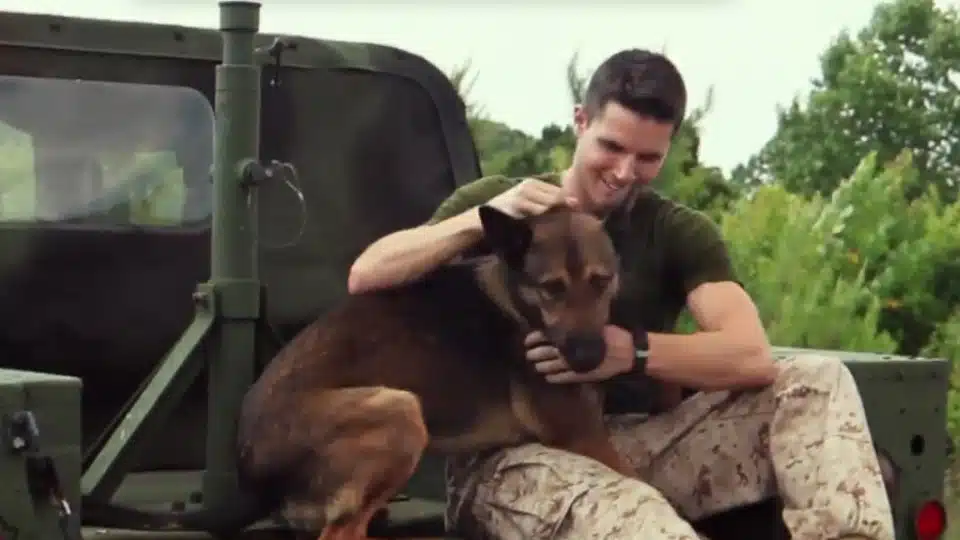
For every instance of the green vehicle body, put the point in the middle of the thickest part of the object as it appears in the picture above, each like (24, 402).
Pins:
(175, 202)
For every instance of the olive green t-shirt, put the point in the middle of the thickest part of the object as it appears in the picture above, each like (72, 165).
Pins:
(666, 250)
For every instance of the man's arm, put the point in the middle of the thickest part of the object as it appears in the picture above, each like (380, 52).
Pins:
(730, 350)
(406, 255)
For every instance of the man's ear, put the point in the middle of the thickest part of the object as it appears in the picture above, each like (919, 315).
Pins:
(580, 119)
(506, 235)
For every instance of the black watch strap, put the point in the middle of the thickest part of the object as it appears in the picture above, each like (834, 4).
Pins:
(641, 351)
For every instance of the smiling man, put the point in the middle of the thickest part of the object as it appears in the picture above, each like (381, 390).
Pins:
(729, 426)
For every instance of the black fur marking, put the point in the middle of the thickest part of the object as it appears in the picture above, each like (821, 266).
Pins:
(575, 261)
(532, 314)
(508, 236)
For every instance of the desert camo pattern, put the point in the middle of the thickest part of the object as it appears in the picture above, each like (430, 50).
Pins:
(806, 433)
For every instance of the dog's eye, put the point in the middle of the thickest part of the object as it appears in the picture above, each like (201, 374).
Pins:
(554, 287)
(600, 281)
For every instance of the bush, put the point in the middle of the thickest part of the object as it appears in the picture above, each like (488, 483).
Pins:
(864, 269)
(808, 288)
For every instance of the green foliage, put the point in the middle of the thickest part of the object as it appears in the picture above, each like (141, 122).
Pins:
(498, 143)
(552, 151)
(862, 250)
(911, 244)
(891, 87)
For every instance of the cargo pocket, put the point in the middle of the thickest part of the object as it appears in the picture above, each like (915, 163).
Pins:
(530, 491)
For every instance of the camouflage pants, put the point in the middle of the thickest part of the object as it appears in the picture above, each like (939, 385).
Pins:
(804, 438)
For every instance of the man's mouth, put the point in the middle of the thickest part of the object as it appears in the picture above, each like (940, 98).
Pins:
(610, 186)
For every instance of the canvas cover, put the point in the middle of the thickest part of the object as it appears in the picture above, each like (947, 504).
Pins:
(378, 136)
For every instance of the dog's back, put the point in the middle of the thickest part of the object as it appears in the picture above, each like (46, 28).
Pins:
(442, 338)
(445, 323)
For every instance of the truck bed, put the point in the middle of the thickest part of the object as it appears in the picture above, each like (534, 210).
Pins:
(408, 517)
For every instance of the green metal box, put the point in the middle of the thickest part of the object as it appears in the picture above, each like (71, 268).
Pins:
(52, 405)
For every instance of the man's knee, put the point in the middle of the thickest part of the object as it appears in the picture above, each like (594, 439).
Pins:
(539, 492)
(815, 371)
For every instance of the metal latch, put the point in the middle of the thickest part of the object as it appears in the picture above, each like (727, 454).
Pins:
(21, 432)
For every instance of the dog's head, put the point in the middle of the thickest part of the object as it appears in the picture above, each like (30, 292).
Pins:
(561, 266)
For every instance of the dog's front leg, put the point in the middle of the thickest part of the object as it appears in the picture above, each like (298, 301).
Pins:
(568, 417)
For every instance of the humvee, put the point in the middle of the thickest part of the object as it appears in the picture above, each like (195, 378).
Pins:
(175, 202)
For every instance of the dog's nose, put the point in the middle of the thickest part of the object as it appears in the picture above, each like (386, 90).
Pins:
(584, 352)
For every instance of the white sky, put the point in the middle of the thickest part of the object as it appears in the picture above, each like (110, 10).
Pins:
(755, 53)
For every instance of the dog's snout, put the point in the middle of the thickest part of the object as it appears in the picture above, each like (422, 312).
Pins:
(584, 352)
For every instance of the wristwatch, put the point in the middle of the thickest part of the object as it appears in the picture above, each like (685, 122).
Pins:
(641, 351)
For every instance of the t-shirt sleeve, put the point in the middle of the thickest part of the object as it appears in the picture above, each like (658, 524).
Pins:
(697, 253)
(470, 195)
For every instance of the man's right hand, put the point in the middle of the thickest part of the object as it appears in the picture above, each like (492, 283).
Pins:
(531, 197)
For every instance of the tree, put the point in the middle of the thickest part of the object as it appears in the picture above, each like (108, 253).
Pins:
(890, 88)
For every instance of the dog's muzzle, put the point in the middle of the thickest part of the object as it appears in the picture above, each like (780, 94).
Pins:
(584, 352)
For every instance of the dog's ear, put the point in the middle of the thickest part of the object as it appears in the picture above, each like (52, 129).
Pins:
(506, 235)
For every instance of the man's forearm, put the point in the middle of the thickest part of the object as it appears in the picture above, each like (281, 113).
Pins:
(709, 361)
(406, 255)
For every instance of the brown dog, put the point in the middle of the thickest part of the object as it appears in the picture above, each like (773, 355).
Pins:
(337, 423)
(339, 419)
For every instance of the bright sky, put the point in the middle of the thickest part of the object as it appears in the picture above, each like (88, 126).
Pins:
(755, 53)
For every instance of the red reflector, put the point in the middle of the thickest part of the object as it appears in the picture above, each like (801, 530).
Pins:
(930, 521)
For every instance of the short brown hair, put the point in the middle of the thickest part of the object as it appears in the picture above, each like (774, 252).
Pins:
(645, 82)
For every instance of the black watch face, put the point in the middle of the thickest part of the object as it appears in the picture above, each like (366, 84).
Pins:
(640, 341)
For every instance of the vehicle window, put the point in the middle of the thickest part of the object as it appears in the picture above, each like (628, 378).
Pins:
(104, 154)
(17, 180)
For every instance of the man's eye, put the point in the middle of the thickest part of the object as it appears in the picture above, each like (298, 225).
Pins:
(611, 146)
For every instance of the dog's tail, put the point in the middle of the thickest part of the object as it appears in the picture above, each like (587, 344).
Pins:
(241, 509)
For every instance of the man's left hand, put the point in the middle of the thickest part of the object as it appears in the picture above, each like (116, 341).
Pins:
(547, 359)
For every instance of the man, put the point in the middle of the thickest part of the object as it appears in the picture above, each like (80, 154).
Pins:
(754, 429)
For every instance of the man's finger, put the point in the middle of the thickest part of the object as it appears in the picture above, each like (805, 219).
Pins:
(548, 367)
(543, 186)
(539, 198)
(567, 376)
(546, 194)
(539, 354)
(535, 338)
(552, 195)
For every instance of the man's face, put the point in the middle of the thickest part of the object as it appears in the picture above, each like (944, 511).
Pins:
(616, 149)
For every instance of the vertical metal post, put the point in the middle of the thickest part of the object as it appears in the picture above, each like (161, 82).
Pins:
(234, 274)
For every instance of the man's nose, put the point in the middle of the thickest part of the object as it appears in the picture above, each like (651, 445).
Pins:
(626, 170)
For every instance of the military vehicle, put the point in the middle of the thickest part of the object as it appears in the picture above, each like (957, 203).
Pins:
(176, 202)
